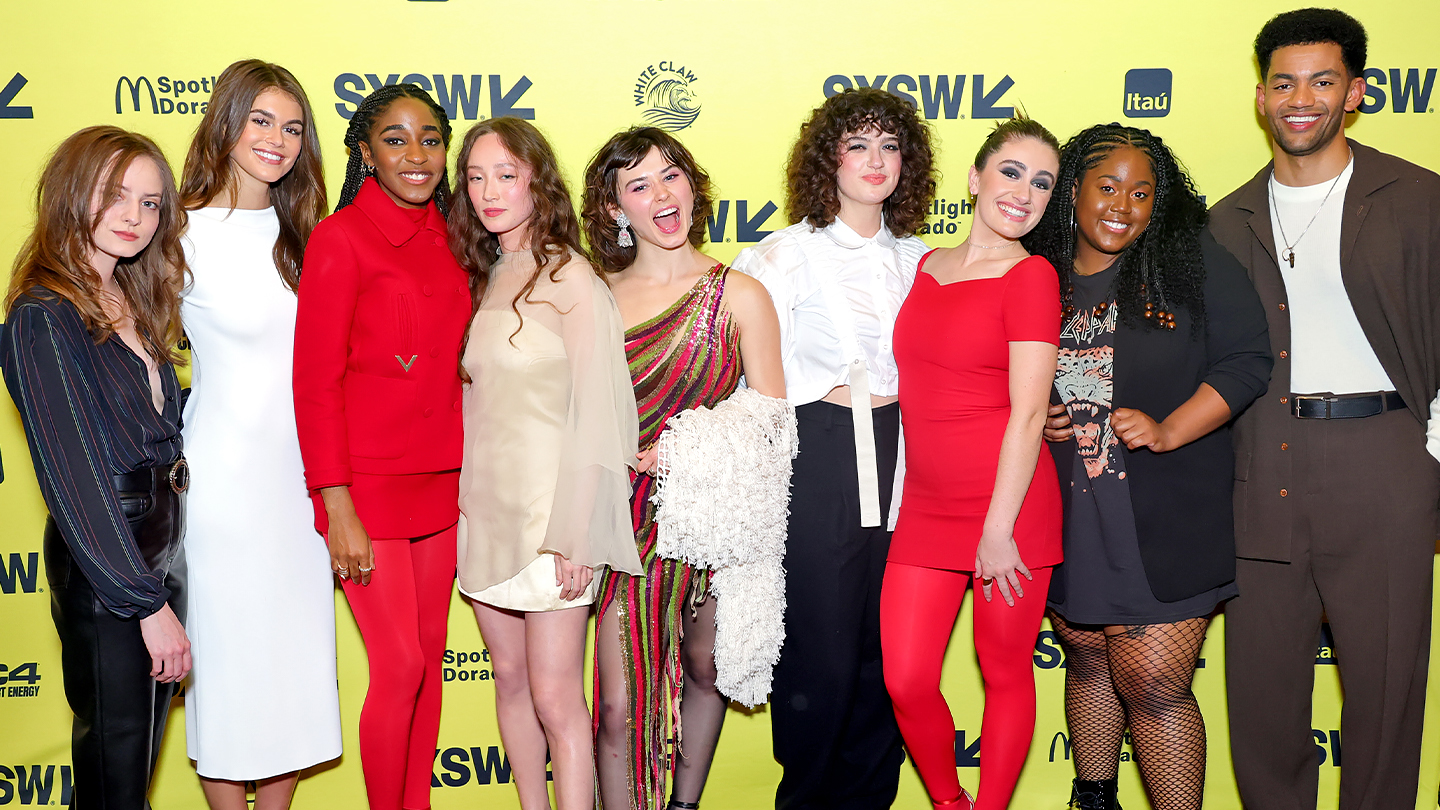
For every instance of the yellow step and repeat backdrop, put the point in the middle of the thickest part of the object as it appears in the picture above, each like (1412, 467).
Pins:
(736, 77)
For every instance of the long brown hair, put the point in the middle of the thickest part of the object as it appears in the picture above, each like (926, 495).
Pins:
(553, 229)
(56, 256)
(623, 151)
(298, 197)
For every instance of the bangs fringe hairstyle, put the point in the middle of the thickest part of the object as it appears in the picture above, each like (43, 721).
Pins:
(298, 197)
(625, 150)
(363, 121)
(1163, 267)
(56, 256)
(812, 192)
(553, 229)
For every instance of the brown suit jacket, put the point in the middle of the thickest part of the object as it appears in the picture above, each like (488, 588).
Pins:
(1390, 264)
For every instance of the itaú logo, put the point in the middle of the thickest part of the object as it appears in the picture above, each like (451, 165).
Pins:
(167, 94)
(1147, 92)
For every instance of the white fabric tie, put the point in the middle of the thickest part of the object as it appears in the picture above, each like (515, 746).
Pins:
(865, 466)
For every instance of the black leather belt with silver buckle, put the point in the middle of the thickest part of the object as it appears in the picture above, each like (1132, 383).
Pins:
(148, 479)
(1344, 406)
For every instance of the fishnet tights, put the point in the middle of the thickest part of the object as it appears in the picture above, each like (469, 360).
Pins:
(1138, 675)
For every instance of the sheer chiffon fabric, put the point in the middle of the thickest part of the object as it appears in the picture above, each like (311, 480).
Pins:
(550, 425)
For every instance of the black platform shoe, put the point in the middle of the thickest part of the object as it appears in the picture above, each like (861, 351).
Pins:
(1098, 795)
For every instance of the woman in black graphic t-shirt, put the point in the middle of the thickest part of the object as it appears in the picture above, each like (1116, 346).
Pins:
(1163, 340)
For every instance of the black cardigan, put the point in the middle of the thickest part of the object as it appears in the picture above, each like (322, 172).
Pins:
(1182, 499)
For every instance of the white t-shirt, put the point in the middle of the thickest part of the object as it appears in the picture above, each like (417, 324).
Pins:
(1328, 350)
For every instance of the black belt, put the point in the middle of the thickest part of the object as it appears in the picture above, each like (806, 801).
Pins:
(148, 479)
(1344, 406)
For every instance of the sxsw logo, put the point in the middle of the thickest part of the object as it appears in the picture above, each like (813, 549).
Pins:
(458, 94)
(1409, 89)
(937, 95)
(479, 765)
(21, 573)
(35, 784)
(1147, 93)
(8, 94)
(748, 227)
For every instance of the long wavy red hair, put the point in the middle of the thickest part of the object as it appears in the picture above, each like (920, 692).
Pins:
(56, 256)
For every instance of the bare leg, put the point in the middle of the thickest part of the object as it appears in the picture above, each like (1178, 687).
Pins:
(520, 731)
(274, 793)
(702, 707)
(612, 707)
(1154, 665)
(555, 650)
(222, 794)
(1092, 707)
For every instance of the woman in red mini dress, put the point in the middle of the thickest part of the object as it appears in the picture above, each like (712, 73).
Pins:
(976, 344)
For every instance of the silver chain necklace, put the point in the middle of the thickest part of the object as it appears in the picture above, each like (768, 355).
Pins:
(1289, 253)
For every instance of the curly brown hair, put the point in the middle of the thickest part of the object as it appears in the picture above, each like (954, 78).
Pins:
(56, 256)
(623, 151)
(553, 229)
(812, 192)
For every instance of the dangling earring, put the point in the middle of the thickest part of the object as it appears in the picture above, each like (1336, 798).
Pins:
(367, 170)
(623, 222)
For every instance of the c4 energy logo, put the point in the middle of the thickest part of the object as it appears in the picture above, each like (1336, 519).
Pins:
(35, 784)
(7, 95)
(167, 94)
(20, 680)
(22, 573)
(458, 94)
(1409, 89)
(1147, 93)
(939, 96)
(664, 90)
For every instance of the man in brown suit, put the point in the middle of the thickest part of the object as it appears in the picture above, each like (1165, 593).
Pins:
(1335, 492)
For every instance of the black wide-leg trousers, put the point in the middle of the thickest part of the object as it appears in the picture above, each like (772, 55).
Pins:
(832, 723)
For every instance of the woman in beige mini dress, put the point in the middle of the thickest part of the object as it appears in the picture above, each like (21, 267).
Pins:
(550, 424)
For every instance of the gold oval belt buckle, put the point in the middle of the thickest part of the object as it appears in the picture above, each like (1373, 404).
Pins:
(179, 476)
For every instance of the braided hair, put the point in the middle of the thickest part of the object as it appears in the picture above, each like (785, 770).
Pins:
(363, 121)
(1162, 270)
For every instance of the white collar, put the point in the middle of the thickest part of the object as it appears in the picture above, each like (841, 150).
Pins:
(846, 237)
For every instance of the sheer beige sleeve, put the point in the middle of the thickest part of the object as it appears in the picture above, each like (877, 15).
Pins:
(590, 519)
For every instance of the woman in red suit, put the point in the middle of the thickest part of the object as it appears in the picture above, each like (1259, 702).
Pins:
(382, 309)
(975, 343)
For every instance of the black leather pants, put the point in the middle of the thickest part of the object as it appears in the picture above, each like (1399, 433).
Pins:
(119, 709)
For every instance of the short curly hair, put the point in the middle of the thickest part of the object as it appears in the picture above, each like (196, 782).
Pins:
(1312, 26)
(625, 150)
(812, 192)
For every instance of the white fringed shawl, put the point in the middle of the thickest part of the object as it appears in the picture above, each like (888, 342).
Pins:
(723, 499)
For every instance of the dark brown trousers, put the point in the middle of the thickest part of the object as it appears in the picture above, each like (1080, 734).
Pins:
(1364, 497)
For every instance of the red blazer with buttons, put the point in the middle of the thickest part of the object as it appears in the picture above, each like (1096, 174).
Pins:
(382, 309)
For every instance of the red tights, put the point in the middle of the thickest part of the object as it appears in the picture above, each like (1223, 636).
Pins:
(402, 615)
(918, 608)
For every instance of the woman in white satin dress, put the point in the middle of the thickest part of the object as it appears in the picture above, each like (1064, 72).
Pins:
(262, 702)
(550, 425)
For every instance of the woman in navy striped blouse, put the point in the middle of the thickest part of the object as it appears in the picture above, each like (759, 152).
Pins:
(88, 355)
